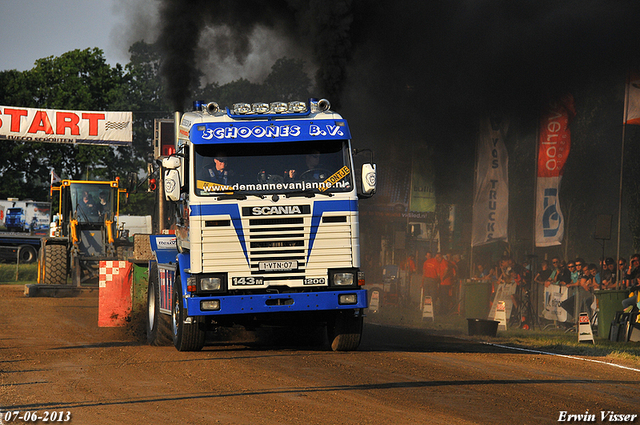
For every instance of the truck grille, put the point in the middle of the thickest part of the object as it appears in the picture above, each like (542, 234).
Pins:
(277, 240)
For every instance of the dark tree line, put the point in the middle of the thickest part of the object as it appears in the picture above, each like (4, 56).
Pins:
(82, 80)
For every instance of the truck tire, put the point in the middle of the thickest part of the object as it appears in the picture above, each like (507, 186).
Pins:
(344, 331)
(28, 254)
(186, 336)
(158, 324)
(55, 264)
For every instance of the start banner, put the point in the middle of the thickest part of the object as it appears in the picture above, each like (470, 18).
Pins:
(62, 126)
(553, 149)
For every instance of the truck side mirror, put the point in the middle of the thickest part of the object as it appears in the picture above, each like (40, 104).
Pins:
(369, 179)
(172, 181)
(172, 185)
(171, 163)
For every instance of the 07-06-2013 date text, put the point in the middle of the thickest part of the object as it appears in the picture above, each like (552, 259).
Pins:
(35, 416)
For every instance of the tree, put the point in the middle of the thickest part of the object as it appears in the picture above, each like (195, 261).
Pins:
(77, 80)
(287, 80)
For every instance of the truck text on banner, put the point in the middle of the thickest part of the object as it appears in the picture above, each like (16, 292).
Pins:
(491, 198)
(553, 149)
(61, 126)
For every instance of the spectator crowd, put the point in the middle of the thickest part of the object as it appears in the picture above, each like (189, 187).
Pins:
(441, 280)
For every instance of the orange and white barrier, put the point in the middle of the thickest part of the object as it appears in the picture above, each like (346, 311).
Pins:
(501, 315)
(427, 308)
(584, 328)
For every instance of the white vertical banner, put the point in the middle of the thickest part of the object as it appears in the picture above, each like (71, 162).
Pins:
(549, 218)
(491, 197)
(554, 145)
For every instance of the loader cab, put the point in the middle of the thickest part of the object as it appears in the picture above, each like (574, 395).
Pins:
(83, 231)
(92, 203)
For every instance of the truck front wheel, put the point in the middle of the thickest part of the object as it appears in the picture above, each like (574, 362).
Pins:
(158, 325)
(345, 330)
(186, 336)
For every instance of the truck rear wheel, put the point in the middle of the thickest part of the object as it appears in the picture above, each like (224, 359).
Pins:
(186, 336)
(158, 324)
(55, 264)
(28, 254)
(345, 330)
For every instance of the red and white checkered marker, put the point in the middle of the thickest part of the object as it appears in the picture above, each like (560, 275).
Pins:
(115, 298)
(109, 269)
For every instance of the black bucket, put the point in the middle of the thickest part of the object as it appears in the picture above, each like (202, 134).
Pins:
(483, 327)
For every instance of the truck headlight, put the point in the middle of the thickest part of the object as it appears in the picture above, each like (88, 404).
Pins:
(343, 278)
(347, 299)
(210, 305)
(210, 284)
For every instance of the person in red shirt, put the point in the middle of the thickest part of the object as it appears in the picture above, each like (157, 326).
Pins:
(446, 273)
(430, 276)
(409, 265)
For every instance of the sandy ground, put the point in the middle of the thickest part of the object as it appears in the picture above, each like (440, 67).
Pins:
(55, 360)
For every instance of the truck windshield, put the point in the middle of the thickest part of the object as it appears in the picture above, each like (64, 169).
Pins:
(310, 168)
(91, 202)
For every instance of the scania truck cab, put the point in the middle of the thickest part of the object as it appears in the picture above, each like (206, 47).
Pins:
(266, 230)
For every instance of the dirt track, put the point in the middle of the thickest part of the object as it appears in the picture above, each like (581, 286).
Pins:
(53, 357)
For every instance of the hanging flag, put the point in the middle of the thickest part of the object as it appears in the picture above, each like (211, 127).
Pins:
(491, 197)
(632, 113)
(54, 178)
(553, 149)
(423, 193)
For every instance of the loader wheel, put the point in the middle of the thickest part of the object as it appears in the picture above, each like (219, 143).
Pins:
(158, 324)
(344, 331)
(55, 264)
(186, 336)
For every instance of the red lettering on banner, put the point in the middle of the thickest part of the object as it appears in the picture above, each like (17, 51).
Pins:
(68, 120)
(15, 117)
(93, 122)
(555, 137)
(41, 123)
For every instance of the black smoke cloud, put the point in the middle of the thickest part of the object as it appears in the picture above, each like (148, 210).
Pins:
(320, 28)
(410, 72)
(442, 56)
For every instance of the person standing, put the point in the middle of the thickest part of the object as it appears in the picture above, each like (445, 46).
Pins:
(430, 269)
(446, 274)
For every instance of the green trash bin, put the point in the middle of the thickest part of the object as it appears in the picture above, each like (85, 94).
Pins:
(609, 301)
(477, 299)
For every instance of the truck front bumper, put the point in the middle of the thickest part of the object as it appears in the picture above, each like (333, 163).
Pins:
(271, 303)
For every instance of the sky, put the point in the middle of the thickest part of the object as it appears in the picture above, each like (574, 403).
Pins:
(35, 29)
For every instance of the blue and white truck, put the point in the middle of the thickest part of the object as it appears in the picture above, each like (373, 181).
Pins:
(25, 223)
(266, 225)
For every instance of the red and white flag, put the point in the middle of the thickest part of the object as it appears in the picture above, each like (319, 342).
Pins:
(54, 178)
(554, 145)
(632, 115)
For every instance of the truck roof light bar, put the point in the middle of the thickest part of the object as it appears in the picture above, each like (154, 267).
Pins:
(277, 109)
